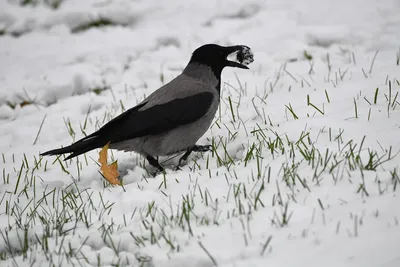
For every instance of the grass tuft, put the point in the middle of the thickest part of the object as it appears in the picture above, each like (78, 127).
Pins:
(95, 23)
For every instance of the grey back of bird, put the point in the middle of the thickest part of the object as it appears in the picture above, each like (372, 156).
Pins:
(194, 79)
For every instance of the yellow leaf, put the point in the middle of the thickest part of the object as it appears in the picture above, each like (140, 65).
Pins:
(110, 172)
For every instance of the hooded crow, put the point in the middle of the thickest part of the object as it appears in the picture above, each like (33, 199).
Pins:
(174, 117)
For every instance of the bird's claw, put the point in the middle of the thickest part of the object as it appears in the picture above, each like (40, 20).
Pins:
(196, 148)
(158, 171)
(178, 168)
(203, 148)
(181, 162)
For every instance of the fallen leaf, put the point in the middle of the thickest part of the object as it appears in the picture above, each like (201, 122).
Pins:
(109, 171)
(25, 103)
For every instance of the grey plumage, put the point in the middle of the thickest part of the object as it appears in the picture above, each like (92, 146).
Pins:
(173, 118)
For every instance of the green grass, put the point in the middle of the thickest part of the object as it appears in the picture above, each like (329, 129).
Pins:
(58, 210)
(281, 167)
(95, 23)
(54, 4)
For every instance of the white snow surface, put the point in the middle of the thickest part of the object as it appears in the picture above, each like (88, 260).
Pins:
(316, 187)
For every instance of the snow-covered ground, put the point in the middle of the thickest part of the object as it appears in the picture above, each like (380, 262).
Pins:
(305, 170)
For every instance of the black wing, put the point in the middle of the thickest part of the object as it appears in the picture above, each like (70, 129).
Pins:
(136, 123)
(157, 119)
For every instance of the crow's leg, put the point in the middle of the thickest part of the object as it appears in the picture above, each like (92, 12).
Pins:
(195, 148)
(153, 162)
(184, 158)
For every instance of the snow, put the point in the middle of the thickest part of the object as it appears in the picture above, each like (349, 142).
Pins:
(318, 187)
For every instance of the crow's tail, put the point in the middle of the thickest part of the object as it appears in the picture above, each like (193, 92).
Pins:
(84, 145)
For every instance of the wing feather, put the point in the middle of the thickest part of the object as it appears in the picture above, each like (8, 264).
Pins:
(156, 119)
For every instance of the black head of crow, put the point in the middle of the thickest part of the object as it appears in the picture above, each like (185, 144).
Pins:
(216, 56)
(174, 117)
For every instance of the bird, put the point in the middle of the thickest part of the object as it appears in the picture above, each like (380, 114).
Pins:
(174, 117)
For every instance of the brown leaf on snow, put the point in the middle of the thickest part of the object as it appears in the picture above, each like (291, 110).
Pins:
(109, 171)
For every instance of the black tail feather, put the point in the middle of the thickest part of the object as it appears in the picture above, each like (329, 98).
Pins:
(82, 146)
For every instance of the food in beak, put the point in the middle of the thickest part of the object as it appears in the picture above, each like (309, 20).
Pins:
(241, 57)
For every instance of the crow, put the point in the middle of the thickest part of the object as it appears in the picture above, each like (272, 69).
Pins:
(173, 118)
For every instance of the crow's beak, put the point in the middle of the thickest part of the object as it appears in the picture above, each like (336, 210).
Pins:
(231, 57)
